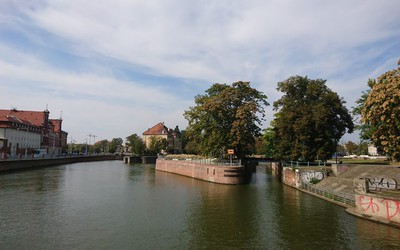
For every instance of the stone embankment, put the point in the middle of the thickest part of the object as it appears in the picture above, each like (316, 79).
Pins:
(222, 174)
(9, 165)
(367, 191)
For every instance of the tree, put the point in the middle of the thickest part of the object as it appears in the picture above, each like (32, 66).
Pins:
(156, 145)
(366, 130)
(101, 146)
(226, 117)
(187, 146)
(363, 148)
(381, 112)
(351, 147)
(135, 144)
(270, 141)
(310, 121)
(115, 144)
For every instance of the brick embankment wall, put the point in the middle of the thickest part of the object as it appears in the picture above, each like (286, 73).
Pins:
(9, 165)
(206, 172)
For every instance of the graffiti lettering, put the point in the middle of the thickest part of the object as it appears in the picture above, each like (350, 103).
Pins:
(381, 183)
(379, 207)
(369, 205)
(392, 208)
(307, 176)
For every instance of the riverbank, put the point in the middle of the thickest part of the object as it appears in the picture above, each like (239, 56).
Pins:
(11, 165)
(367, 191)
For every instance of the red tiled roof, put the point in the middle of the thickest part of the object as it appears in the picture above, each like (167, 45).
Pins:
(34, 117)
(158, 129)
(13, 119)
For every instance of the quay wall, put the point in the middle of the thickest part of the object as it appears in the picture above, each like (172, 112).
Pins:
(206, 172)
(380, 201)
(9, 165)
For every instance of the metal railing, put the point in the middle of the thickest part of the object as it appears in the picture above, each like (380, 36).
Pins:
(304, 164)
(217, 162)
(341, 197)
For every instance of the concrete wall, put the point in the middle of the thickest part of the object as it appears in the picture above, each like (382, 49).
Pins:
(295, 177)
(36, 163)
(212, 173)
(378, 205)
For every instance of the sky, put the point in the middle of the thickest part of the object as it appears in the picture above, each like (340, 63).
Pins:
(113, 68)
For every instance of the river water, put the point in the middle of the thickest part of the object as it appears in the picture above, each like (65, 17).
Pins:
(111, 205)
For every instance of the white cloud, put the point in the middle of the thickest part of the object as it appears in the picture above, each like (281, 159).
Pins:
(345, 42)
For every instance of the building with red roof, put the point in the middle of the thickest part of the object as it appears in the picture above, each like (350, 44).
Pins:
(172, 136)
(24, 131)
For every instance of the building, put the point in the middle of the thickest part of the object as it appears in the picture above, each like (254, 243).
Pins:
(172, 136)
(23, 131)
(372, 150)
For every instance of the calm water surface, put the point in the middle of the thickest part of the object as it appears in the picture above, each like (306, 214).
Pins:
(111, 205)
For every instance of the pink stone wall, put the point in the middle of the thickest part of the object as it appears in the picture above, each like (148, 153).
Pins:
(212, 173)
(290, 177)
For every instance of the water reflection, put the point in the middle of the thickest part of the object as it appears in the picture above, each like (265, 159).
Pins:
(111, 205)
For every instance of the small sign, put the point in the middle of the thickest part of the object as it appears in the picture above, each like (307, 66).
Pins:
(231, 152)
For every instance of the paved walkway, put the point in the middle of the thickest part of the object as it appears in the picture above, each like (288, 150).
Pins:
(344, 182)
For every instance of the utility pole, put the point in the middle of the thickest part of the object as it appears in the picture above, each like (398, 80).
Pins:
(90, 136)
(94, 138)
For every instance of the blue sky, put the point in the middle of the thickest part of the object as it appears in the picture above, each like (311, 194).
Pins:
(114, 68)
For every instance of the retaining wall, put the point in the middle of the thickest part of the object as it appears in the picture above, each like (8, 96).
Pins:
(206, 172)
(8, 165)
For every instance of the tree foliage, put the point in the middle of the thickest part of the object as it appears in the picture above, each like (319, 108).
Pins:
(381, 112)
(135, 144)
(366, 130)
(225, 117)
(310, 121)
(101, 146)
(156, 145)
(351, 148)
(270, 141)
(115, 144)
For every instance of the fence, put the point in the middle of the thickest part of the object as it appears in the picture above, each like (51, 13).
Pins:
(304, 163)
(344, 198)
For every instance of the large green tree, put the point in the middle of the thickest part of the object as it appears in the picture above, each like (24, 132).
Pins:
(310, 120)
(381, 112)
(226, 117)
(115, 144)
(135, 144)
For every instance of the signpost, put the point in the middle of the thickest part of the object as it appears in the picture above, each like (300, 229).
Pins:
(231, 152)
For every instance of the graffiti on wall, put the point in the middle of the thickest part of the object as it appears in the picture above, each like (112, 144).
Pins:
(381, 183)
(308, 176)
(374, 205)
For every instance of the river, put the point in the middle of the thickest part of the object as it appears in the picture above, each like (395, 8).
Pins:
(111, 205)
